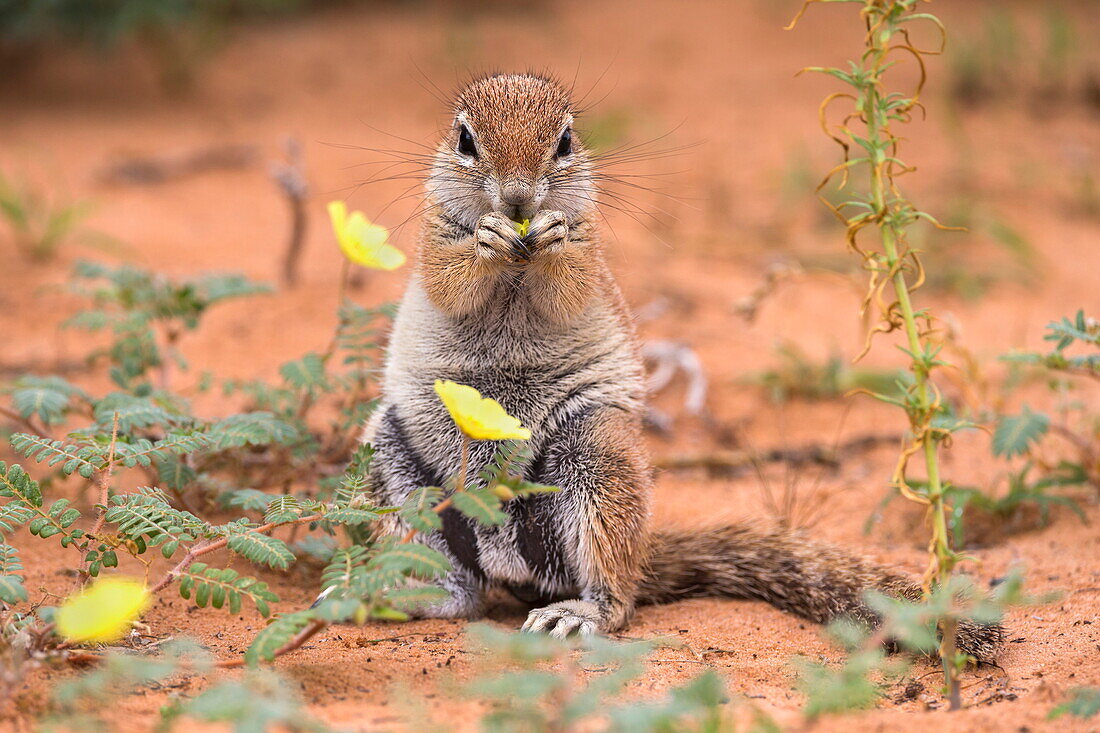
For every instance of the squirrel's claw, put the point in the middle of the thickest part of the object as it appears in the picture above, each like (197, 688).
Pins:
(521, 249)
(564, 619)
(548, 232)
(496, 239)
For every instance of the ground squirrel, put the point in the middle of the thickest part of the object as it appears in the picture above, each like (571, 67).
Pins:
(538, 323)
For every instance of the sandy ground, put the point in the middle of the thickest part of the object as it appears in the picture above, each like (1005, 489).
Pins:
(714, 78)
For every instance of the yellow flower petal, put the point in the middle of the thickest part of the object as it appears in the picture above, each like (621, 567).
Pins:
(479, 418)
(522, 227)
(103, 612)
(362, 241)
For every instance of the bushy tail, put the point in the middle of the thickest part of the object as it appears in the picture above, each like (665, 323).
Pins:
(811, 579)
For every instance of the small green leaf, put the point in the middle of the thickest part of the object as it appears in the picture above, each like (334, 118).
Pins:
(350, 517)
(278, 633)
(1015, 434)
(418, 508)
(11, 589)
(14, 514)
(260, 548)
(15, 483)
(252, 428)
(307, 373)
(481, 505)
(282, 509)
(11, 582)
(413, 559)
(48, 398)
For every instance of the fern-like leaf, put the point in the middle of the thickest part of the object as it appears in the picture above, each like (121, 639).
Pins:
(481, 505)
(345, 574)
(320, 548)
(352, 490)
(82, 459)
(1015, 434)
(282, 509)
(48, 398)
(27, 506)
(16, 484)
(418, 508)
(361, 460)
(85, 455)
(307, 373)
(506, 469)
(57, 520)
(351, 517)
(520, 487)
(252, 428)
(276, 635)
(262, 549)
(216, 587)
(11, 582)
(1065, 331)
(142, 451)
(252, 500)
(413, 559)
(174, 471)
(219, 287)
(134, 412)
(510, 458)
(14, 514)
(360, 334)
(151, 522)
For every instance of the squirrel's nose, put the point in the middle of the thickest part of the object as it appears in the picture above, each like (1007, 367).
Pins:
(517, 199)
(516, 194)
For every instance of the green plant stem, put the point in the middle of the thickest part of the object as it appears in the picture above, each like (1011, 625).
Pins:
(920, 415)
(102, 481)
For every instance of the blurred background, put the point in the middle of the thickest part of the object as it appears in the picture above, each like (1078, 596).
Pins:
(196, 135)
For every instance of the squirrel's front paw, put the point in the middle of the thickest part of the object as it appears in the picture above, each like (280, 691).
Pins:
(548, 233)
(562, 620)
(497, 239)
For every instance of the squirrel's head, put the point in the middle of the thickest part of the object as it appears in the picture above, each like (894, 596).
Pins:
(512, 149)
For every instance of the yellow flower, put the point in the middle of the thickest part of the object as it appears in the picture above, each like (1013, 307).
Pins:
(103, 612)
(522, 227)
(480, 418)
(362, 241)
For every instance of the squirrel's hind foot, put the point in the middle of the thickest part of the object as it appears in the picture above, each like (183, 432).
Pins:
(564, 619)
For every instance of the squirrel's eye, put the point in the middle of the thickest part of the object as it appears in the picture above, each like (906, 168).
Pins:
(466, 142)
(565, 144)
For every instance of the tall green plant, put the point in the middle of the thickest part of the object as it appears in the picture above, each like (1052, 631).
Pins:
(877, 220)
